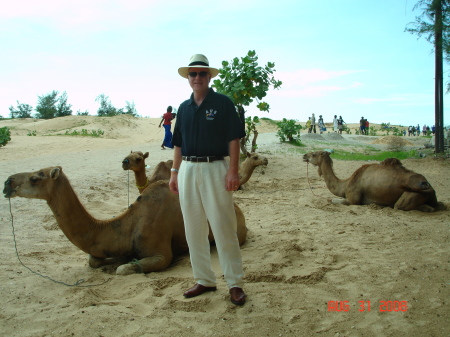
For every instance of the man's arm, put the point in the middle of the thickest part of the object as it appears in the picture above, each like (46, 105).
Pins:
(173, 182)
(232, 178)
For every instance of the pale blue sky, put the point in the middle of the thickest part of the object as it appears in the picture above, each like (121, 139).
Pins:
(343, 57)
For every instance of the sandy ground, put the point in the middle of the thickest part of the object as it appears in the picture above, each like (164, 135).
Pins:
(301, 252)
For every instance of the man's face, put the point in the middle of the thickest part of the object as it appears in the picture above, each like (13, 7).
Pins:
(199, 82)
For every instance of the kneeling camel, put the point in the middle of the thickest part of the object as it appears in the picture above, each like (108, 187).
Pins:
(386, 184)
(151, 230)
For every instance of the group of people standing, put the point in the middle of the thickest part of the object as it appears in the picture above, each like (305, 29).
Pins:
(338, 124)
(415, 130)
(364, 126)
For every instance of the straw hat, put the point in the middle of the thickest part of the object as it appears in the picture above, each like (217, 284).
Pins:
(198, 61)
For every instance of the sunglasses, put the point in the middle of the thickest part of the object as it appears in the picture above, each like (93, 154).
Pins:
(201, 73)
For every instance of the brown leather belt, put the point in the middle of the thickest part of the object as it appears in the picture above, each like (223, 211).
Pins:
(206, 159)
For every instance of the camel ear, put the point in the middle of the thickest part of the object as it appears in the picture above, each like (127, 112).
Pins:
(249, 154)
(131, 151)
(145, 155)
(54, 173)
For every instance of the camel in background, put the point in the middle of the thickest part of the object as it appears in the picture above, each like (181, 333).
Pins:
(386, 184)
(247, 167)
(135, 162)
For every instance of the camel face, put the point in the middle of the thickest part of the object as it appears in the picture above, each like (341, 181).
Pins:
(247, 167)
(315, 158)
(256, 159)
(35, 185)
(135, 161)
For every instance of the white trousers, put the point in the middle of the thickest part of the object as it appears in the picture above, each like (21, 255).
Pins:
(203, 197)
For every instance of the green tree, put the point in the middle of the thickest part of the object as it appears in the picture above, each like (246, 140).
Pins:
(244, 81)
(130, 109)
(23, 111)
(434, 24)
(82, 113)
(46, 107)
(106, 108)
(62, 108)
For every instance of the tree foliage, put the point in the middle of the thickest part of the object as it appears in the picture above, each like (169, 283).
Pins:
(5, 136)
(106, 108)
(46, 107)
(289, 130)
(243, 80)
(425, 25)
(130, 109)
(23, 111)
(51, 106)
(62, 108)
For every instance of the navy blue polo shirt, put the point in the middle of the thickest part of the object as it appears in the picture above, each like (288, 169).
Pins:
(206, 130)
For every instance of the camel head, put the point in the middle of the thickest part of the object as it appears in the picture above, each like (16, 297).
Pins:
(316, 158)
(254, 159)
(135, 161)
(34, 185)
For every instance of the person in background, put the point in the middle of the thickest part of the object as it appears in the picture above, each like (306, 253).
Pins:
(418, 130)
(167, 119)
(362, 125)
(321, 124)
(433, 129)
(335, 124)
(207, 130)
(340, 124)
(313, 123)
(367, 127)
(424, 130)
(308, 124)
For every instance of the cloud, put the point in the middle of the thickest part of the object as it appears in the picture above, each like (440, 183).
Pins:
(407, 99)
(303, 77)
(307, 82)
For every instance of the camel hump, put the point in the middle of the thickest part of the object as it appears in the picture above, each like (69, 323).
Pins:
(392, 162)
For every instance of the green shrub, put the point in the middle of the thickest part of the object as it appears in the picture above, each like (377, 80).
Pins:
(5, 136)
(288, 130)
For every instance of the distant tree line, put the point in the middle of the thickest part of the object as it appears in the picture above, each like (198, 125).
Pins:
(53, 105)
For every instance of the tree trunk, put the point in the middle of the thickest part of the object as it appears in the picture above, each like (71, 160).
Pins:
(439, 88)
(254, 146)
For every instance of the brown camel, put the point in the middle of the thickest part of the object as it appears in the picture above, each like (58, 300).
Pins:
(144, 232)
(247, 167)
(386, 184)
(135, 162)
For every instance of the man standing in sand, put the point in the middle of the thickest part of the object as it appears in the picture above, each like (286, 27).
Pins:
(208, 129)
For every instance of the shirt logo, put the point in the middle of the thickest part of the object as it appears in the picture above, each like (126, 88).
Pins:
(210, 114)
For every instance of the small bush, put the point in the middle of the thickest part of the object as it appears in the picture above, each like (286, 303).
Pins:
(5, 136)
(288, 130)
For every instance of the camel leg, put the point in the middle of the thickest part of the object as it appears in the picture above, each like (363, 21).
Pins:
(96, 262)
(413, 201)
(340, 201)
(145, 265)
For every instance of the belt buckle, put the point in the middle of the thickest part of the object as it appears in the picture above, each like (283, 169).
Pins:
(193, 158)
